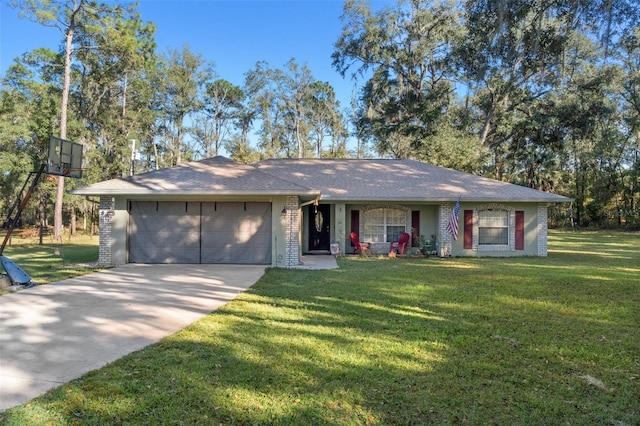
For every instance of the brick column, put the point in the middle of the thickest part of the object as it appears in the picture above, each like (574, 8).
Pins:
(444, 238)
(104, 226)
(340, 227)
(542, 230)
(292, 232)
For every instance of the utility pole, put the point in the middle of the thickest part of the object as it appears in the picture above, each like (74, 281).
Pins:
(133, 157)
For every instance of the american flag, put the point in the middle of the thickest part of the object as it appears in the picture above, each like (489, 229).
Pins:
(452, 226)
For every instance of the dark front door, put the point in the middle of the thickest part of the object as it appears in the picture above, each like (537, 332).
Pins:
(319, 227)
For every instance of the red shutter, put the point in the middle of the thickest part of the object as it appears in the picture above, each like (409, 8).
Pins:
(519, 230)
(468, 229)
(415, 226)
(355, 222)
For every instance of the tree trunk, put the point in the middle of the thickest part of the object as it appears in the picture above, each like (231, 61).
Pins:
(72, 228)
(179, 142)
(42, 214)
(57, 213)
(155, 154)
(92, 219)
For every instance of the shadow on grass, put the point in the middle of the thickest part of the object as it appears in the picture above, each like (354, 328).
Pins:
(50, 263)
(415, 341)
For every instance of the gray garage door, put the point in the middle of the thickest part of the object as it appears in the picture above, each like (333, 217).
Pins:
(199, 232)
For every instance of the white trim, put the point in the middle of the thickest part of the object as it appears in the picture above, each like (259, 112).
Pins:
(511, 246)
(407, 218)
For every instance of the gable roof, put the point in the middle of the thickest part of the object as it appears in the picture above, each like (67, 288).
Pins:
(331, 179)
(398, 180)
(215, 175)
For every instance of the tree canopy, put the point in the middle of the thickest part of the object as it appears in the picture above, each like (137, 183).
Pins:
(541, 93)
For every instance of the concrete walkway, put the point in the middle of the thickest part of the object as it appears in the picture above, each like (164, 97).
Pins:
(317, 261)
(54, 333)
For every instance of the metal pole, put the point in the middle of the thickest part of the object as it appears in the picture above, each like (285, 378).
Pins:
(133, 157)
(23, 204)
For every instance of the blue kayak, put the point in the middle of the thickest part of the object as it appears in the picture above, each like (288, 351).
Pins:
(15, 273)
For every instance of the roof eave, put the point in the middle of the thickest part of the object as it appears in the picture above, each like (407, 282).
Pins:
(554, 200)
(164, 193)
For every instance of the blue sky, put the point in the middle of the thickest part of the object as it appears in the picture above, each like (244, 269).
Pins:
(232, 34)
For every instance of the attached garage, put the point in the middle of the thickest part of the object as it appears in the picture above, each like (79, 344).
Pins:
(199, 232)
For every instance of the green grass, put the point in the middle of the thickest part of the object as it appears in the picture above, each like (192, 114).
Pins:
(51, 262)
(524, 341)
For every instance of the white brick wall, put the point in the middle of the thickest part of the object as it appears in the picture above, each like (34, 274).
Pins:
(106, 214)
(444, 237)
(542, 229)
(292, 232)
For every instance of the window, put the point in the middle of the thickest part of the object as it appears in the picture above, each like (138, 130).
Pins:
(493, 227)
(384, 225)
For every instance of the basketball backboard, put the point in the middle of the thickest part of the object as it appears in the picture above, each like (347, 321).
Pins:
(65, 158)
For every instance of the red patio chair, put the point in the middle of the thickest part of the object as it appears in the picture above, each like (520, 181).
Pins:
(401, 244)
(357, 245)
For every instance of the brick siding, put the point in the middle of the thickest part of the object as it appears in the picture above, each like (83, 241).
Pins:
(542, 229)
(292, 227)
(104, 224)
(445, 239)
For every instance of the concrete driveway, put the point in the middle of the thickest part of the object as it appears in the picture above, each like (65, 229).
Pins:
(54, 333)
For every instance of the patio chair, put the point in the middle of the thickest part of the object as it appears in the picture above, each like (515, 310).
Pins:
(357, 245)
(401, 244)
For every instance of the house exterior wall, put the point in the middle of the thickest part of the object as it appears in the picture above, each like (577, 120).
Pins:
(113, 220)
(446, 246)
(339, 232)
(304, 228)
(114, 223)
(292, 229)
(288, 232)
(279, 222)
(120, 225)
(428, 220)
(434, 220)
(535, 224)
(542, 232)
(106, 211)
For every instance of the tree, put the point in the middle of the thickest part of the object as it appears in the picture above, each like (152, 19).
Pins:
(183, 75)
(517, 52)
(86, 25)
(405, 50)
(110, 94)
(281, 99)
(29, 113)
(510, 57)
(222, 105)
(325, 119)
(238, 145)
(629, 56)
(66, 17)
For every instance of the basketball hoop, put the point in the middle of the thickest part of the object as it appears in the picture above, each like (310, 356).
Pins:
(64, 158)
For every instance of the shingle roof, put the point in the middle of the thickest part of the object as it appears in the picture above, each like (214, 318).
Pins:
(333, 179)
(216, 175)
(401, 180)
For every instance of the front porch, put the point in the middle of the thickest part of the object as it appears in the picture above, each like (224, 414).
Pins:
(324, 225)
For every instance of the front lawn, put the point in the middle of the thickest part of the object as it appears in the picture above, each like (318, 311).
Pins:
(54, 260)
(529, 341)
